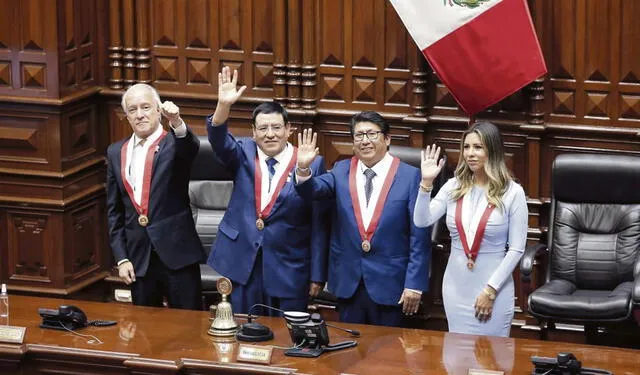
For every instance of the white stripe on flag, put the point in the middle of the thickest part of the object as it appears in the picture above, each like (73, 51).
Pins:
(430, 20)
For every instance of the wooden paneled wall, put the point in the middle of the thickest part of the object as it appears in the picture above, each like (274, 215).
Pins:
(64, 65)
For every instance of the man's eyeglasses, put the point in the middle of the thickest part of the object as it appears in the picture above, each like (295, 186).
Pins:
(371, 135)
(264, 129)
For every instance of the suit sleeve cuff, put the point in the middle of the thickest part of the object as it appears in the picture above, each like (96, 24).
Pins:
(181, 130)
(125, 260)
(415, 291)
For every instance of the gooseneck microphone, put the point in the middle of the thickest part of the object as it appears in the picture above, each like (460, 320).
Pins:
(353, 332)
(249, 316)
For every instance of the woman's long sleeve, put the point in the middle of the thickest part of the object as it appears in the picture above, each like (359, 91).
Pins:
(517, 240)
(428, 211)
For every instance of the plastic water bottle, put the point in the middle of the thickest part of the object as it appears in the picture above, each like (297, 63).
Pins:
(4, 305)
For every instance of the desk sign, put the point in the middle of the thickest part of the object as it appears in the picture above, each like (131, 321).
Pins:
(12, 335)
(473, 371)
(255, 354)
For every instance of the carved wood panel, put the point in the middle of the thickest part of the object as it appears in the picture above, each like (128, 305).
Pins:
(591, 48)
(29, 257)
(192, 39)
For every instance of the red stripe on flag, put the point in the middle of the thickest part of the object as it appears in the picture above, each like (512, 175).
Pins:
(489, 58)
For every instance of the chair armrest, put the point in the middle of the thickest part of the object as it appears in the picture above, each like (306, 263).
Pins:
(635, 292)
(526, 263)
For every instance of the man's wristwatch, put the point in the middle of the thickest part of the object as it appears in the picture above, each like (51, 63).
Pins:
(303, 171)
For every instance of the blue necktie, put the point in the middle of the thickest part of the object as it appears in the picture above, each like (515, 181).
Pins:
(368, 185)
(271, 162)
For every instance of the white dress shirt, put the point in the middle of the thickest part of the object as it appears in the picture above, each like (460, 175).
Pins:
(283, 158)
(381, 169)
(136, 155)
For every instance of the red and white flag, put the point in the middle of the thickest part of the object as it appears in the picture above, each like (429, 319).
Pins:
(482, 50)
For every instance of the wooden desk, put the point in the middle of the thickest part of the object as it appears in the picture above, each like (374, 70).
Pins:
(163, 341)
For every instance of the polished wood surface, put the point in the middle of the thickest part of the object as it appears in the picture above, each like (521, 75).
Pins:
(65, 63)
(157, 340)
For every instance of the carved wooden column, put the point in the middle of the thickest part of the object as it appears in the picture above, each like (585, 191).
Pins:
(128, 37)
(280, 53)
(309, 83)
(143, 50)
(419, 75)
(115, 45)
(294, 68)
(52, 168)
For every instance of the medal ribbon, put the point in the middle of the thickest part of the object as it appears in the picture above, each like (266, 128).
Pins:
(475, 247)
(143, 207)
(262, 214)
(377, 212)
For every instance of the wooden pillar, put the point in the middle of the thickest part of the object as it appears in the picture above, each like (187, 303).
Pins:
(143, 49)
(309, 66)
(128, 38)
(294, 68)
(115, 45)
(280, 53)
(419, 75)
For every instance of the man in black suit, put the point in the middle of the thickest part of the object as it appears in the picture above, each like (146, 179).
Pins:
(151, 229)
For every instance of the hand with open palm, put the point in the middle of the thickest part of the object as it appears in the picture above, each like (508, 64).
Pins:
(307, 149)
(430, 164)
(228, 93)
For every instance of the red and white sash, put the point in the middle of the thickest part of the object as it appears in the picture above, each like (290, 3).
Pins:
(367, 234)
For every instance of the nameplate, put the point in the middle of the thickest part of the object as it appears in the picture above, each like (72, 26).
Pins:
(473, 371)
(12, 335)
(254, 354)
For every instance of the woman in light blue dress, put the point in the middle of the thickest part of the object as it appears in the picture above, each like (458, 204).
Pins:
(482, 199)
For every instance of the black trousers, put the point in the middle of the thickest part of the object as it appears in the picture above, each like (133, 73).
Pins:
(182, 287)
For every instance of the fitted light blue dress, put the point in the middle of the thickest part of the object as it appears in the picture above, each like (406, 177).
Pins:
(494, 264)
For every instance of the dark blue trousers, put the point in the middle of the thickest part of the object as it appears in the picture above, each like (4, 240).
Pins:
(361, 309)
(245, 296)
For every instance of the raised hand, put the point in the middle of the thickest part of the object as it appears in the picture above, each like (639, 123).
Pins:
(228, 92)
(307, 149)
(430, 166)
(171, 112)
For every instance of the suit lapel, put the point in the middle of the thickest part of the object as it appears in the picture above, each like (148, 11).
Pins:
(157, 158)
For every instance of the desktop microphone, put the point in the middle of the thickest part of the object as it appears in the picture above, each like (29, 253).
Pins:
(353, 332)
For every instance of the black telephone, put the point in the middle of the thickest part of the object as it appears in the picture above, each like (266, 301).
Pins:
(68, 318)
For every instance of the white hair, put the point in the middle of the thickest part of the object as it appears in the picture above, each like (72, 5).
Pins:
(140, 86)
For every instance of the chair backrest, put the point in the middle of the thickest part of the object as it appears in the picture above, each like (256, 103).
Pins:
(412, 156)
(210, 190)
(594, 239)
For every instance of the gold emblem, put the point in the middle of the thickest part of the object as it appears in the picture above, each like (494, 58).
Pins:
(260, 224)
(366, 246)
(143, 220)
(470, 264)
(224, 286)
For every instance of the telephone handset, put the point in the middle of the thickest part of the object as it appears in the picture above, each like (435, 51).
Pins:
(68, 318)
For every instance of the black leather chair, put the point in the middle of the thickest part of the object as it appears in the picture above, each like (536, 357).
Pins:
(593, 273)
(210, 189)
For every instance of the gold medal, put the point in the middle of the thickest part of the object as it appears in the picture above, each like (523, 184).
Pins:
(143, 220)
(366, 246)
(470, 264)
(260, 224)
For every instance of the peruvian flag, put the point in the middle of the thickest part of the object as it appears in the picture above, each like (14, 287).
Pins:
(482, 50)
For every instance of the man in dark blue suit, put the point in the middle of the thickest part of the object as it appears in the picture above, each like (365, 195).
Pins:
(379, 260)
(151, 229)
(271, 243)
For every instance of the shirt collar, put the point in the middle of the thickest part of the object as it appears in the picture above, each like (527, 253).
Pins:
(382, 166)
(150, 139)
(280, 157)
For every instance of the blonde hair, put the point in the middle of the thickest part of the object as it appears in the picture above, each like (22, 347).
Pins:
(495, 167)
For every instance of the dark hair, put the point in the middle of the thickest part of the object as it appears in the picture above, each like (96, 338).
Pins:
(269, 107)
(369, 116)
